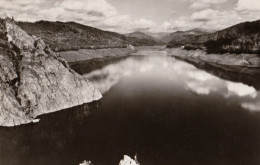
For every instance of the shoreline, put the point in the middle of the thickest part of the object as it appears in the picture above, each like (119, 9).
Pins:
(230, 60)
(249, 76)
(89, 54)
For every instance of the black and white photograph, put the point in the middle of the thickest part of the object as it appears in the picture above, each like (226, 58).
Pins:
(129, 82)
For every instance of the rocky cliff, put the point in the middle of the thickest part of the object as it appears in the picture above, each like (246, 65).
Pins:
(241, 38)
(34, 80)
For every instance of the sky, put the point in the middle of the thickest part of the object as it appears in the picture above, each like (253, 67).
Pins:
(126, 16)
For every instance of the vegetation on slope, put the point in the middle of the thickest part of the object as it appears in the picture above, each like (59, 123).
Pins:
(180, 36)
(141, 38)
(241, 38)
(64, 36)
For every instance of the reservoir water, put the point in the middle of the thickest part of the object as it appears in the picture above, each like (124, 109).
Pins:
(167, 111)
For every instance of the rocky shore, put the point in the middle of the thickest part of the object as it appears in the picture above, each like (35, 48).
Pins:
(228, 59)
(34, 80)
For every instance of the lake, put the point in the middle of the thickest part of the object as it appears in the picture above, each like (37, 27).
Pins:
(167, 111)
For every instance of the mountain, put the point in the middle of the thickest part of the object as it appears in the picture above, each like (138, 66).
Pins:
(141, 38)
(240, 38)
(183, 35)
(139, 35)
(64, 36)
(158, 35)
(34, 80)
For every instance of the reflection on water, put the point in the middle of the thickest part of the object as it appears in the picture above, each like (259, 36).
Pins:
(176, 71)
(166, 110)
(50, 141)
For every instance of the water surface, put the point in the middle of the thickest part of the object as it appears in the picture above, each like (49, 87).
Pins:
(166, 110)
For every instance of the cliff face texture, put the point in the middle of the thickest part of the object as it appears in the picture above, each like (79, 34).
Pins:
(34, 80)
(241, 38)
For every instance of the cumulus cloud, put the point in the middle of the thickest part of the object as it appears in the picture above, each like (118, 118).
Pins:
(182, 23)
(197, 5)
(215, 19)
(203, 4)
(210, 19)
(248, 5)
(205, 15)
(20, 8)
(88, 6)
(98, 13)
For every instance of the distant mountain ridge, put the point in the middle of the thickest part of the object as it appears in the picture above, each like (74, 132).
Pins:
(64, 36)
(143, 38)
(240, 38)
(183, 35)
(139, 35)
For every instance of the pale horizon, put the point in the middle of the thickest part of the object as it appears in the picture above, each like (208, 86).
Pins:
(125, 16)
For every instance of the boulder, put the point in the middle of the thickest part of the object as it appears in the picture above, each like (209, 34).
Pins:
(127, 160)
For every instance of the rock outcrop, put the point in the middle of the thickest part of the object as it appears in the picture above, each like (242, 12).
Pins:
(34, 80)
(127, 160)
(241, 38)
(86, 163)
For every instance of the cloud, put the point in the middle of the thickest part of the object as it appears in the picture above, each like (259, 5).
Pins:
(19, 6)
(124, 23)
(181, 23)
(209, 19)
(203, 4)
(248, 5)
(197, 5)
(210, 15)
(98, 6)
(205, 15)
(97, 13)
(103, 15)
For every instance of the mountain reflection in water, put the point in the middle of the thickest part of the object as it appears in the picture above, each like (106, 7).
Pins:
(175, 71)
(166, 110)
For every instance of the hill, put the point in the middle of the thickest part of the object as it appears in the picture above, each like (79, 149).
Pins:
(64, 36)
(139, 35)
(183, 35)
(143, 39)
(61, 36)
(240, 38)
